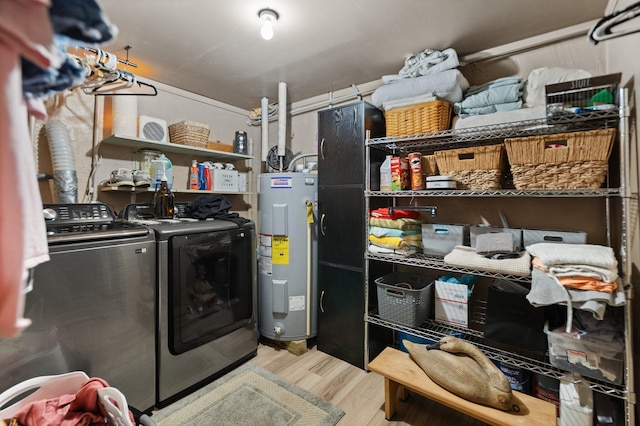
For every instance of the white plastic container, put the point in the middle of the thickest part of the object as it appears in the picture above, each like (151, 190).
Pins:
(159, 167)
(385, 174)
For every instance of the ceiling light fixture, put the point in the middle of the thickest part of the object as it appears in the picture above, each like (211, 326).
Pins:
(268, 17)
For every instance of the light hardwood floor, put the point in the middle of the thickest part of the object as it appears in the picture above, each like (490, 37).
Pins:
(358, 393)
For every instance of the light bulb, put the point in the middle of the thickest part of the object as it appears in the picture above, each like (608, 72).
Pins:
(267, 30)
(268, 17)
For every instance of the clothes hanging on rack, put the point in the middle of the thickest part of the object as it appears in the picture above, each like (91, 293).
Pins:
(27, 29)
(605, 29)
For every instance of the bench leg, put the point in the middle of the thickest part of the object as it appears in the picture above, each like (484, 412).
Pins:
(390, 392)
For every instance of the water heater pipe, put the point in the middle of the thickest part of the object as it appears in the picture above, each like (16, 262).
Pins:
(282, 117)
(264, 108)
(309, 223)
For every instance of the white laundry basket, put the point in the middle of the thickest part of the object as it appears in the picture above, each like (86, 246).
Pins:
(49, 387)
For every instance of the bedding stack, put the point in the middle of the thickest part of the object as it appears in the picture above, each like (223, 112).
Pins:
(395, 232)
(418, 100)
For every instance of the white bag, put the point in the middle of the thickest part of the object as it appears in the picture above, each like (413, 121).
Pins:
(49, 387)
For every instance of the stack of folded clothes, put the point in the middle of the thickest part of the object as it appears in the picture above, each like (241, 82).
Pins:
(581, 276)
(502, 94)
(395, 231)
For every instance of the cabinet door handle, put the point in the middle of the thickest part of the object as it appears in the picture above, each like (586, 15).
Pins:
(322, 225)
(322, 148)
(321, 301)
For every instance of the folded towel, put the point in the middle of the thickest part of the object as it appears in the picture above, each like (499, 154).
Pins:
(467, 257)
(402, 251)
(379, 231)
(397, 242)
(393, 213)
(402, 223)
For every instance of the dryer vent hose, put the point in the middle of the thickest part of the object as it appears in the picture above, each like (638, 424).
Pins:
(64, 169)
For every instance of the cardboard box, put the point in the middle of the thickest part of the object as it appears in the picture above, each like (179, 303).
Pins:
(400, 174)
(224, 180)
(451, 303)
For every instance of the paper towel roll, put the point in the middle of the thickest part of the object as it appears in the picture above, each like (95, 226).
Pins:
(125, 116)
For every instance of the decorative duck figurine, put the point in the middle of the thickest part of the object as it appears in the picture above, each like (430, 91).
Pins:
(462, 369)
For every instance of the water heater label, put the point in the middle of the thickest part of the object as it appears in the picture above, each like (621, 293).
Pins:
(296, 303)
(280, 250)
(281, 182)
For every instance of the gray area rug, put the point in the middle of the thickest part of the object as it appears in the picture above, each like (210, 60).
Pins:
(249, 395)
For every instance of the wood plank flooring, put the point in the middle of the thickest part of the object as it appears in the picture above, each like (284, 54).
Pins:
(359, 393)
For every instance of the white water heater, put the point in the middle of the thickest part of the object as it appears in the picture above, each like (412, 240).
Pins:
(287, 255)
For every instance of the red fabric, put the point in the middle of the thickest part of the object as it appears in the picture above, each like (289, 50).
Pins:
(81, 409)
(383, 213)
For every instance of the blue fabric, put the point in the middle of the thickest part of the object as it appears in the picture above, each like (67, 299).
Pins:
(73, 21)
(81, 20)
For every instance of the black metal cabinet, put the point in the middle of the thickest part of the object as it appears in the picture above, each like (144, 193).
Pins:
(342, 132)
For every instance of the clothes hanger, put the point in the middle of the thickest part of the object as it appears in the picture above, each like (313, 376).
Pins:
(604, 29)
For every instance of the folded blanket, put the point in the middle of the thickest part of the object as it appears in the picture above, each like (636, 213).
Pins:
(490, 109)
(428, 62)
(447, 85)
(584, 280)
(504, 81)
(403, 223)
(491, 96)
(379, 231)
(546, 291)
(402, 251)
(466, 257)
(577, 259)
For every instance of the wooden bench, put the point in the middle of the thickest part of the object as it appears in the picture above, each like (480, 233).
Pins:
(401, 373)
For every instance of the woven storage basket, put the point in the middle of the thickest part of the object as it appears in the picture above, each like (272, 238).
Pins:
(428, 117)
(189, 133)
(577, 160)
(474, 168)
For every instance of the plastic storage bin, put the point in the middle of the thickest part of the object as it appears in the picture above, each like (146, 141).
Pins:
(405, 298)
(533, 236)
(590, 357)
(439, 239)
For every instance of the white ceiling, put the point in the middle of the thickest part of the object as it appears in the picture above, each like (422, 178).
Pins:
(213, 47)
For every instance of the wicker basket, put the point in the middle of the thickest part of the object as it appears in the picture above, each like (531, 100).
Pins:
(189, 133)
(428, 117)
(474, 168)
(577, 160)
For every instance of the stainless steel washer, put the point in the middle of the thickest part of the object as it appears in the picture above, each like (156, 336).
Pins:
(91, 306)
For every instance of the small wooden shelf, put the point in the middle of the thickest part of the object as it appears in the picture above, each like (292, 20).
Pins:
(129, 189)
(137, 143)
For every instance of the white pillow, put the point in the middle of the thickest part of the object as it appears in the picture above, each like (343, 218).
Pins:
(534, 94)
